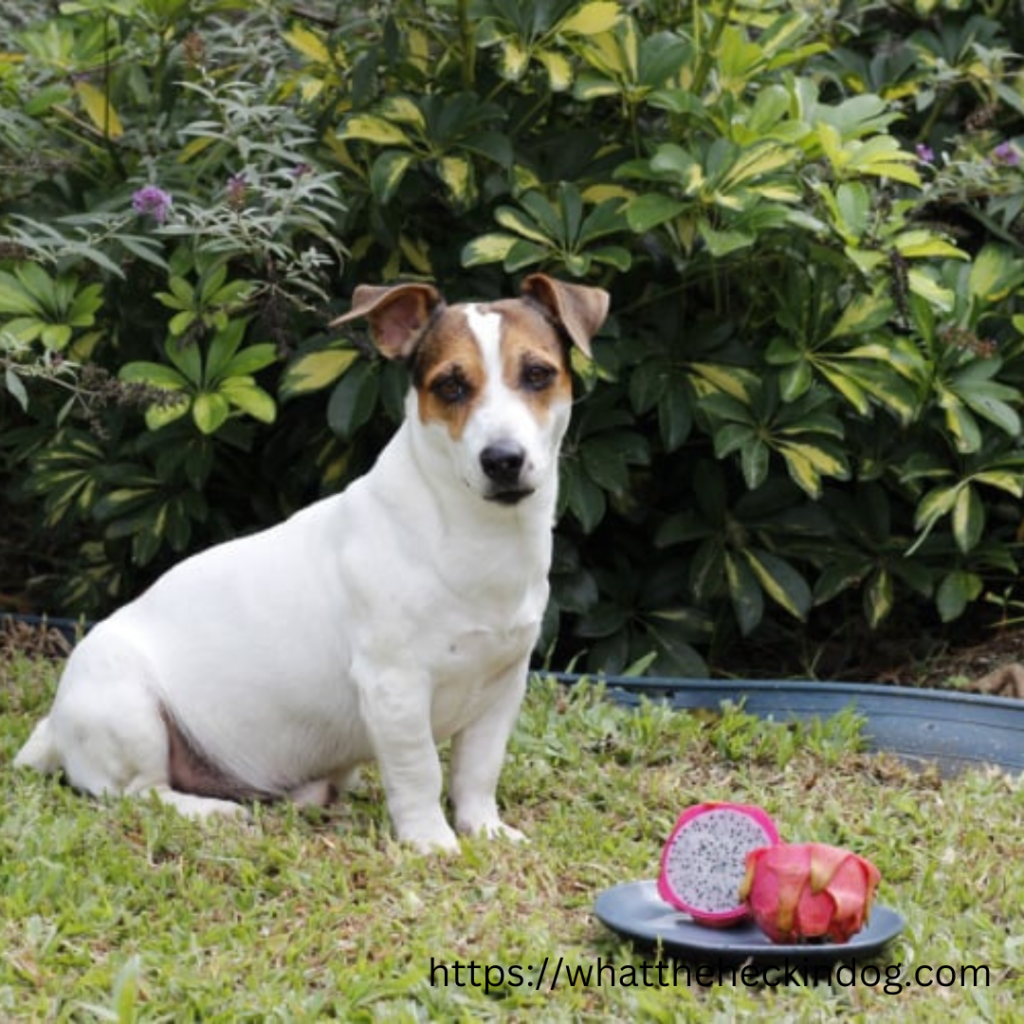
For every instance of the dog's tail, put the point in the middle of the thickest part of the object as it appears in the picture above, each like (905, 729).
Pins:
(40, 751)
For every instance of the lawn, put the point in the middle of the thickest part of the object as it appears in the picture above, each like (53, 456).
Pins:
(127, 912)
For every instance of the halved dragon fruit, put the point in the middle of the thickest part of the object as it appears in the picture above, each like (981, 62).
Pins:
(704, 861)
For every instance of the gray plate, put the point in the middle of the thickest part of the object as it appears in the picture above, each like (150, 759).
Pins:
(635, 911)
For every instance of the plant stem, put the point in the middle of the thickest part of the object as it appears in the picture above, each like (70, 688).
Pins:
(708, 50)
(468, 45)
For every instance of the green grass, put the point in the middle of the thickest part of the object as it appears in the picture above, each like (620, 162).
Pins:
(126, 912)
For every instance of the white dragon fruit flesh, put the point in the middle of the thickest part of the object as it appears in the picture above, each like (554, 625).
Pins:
(704, 861)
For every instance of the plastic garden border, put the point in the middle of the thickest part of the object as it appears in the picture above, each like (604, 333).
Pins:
(951, 729)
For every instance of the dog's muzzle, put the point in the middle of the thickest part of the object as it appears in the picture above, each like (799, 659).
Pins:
(502, 463)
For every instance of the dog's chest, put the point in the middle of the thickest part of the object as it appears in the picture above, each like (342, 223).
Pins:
(471, 667)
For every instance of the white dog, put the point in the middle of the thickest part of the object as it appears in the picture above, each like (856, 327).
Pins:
(371, 625)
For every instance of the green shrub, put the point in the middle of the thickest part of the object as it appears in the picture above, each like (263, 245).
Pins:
(805, 409)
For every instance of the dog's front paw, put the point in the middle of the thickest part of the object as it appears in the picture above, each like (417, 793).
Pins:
(429, 837)
(494, 829)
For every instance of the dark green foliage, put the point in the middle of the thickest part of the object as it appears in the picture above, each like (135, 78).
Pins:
(805, 407)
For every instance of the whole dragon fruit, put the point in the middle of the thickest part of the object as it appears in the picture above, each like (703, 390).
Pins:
(703, 862)
(799, 891)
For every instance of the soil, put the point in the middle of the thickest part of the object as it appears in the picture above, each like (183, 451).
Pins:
(994, 666)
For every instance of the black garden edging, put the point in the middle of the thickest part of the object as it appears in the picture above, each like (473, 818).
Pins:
(951, 729)
(954, 730)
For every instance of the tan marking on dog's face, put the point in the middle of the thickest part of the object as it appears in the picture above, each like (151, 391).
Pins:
(448, 373)
(450, 368)
(533, 357)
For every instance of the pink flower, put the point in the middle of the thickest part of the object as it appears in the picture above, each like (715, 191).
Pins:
(925, 153)
(1006, 154)
(154, 201)
(801, 891)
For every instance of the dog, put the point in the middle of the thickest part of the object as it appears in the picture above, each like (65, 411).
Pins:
(371, 625)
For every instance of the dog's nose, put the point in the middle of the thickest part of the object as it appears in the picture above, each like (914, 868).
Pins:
(503, 462)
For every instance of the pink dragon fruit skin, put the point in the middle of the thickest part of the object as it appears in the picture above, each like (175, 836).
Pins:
(799, 891)
(704, 860)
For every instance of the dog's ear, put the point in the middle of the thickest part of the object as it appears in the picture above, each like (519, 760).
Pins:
(579, 308)
(397, 313)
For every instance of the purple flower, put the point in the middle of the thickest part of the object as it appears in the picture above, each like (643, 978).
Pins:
(925, 153)
(1005, 153)
(236, 190)
(154, 201)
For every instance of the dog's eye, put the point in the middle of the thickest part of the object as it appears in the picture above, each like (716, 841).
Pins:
(452, 389)
(537, 377)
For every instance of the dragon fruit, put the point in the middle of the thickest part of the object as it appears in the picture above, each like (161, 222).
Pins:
(704, 860)
(799, 891)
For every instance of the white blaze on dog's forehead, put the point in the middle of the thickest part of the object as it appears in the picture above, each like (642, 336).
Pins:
(486, 328)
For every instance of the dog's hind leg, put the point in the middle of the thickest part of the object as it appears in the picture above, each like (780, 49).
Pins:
(108, 733)
(39, 751)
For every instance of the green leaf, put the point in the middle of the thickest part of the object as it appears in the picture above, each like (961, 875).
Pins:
(921, 244)
(181, 322)
(783, 584)
(651, 209)
(582, 496)
(369, 128)
(1011, 482)
(968, 518)
(251, 359)
(96, 103)
(591, 86)
(457, 174)
(879, 597)
(675, 416)
(158, 416)
(514, 61)
(956, 591)
(315, 371)
(221, 350)
(994, 273)
(157, 375)
(559, 69)
(492, 248)
(524, 254)
(308, 43)
(863, 313)
(959, 422)
(353, 400)
(802, 470)
(592, 18)
(853, 203)
(606, 458)
(15, 388)
(253, 400)
(403, 110)
(994, 410)
(754, 459)
(187, 359)
(515, 220)
(746, 596)
(934, 505)
(210, 411)
(732, 437)
(722, 243)
(795, 380)
(757, 161)
(14, 298)
(928, 288)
